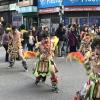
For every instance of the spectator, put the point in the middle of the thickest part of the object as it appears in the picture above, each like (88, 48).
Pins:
(72, 39)
(31, 41)
(5, 40)
(60, 33)
(84, 31)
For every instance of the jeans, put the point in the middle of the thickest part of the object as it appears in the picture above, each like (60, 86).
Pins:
(60, 46)
(7, 54)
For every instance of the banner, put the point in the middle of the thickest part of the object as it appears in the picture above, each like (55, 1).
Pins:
(25, 3)
(49, 3)
(27, 9)
(81, 2)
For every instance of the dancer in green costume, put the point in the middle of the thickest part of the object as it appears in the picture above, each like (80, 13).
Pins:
(45, 65)
(91, 90)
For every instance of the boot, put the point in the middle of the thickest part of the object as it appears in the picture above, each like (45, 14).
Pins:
(43, 79)
(37, 80)
(54, 88)
(11, 64)
(54, 84)
(24, 65)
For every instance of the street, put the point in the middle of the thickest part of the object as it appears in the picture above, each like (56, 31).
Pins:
(15, 84)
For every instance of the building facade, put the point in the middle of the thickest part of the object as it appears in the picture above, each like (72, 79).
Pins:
(5, 11)
(75, 12)
(28, 10)
(47, 12)
(82, 11)
(17, 12)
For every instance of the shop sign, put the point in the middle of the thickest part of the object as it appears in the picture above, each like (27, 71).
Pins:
(4, 8)
(27, 9)
(83, 8)
(13, 6)
(81, 2)
(25, 3)
(49, 3)
(48, 10)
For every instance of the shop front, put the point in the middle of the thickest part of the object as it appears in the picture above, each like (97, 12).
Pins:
(49, 13)
(28, 9)
(82, 11)
(29, 14)
(75, 12)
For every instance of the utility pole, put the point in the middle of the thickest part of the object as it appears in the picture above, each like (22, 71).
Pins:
(61, 12)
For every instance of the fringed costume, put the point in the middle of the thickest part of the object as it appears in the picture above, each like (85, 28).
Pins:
(86, 44)
(91, 90)
(15, 48)
(45, 65)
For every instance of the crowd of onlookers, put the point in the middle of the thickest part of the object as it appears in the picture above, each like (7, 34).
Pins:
(69, 37)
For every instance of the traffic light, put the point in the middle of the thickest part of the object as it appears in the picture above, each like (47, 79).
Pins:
(61, 10)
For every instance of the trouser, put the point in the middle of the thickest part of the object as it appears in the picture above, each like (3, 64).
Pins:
(73, 48)
(30, 47)
(54, 80)
(13, 57)
(60, 46)
(7, 54)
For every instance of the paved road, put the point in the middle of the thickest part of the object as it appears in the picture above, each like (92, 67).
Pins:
(15, 84)
(2, 54)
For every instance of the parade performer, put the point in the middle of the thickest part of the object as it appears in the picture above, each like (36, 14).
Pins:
(45, 65)
(91, 90)
(84, 50)
(15, 48)
(86, 44)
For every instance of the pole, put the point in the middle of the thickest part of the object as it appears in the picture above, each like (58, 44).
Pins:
(50, 23)
(61, 12)
(38, 20)
(61, 18)
(88, 17)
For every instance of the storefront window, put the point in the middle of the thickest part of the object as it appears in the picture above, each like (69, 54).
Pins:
(83, 21)
(55, 19)
(94, 21)
(74, 20)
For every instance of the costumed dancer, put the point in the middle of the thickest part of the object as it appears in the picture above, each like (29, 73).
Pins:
(15, 48)
(86, 44)
(91, 90)
(45, 65)
(85, 49)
